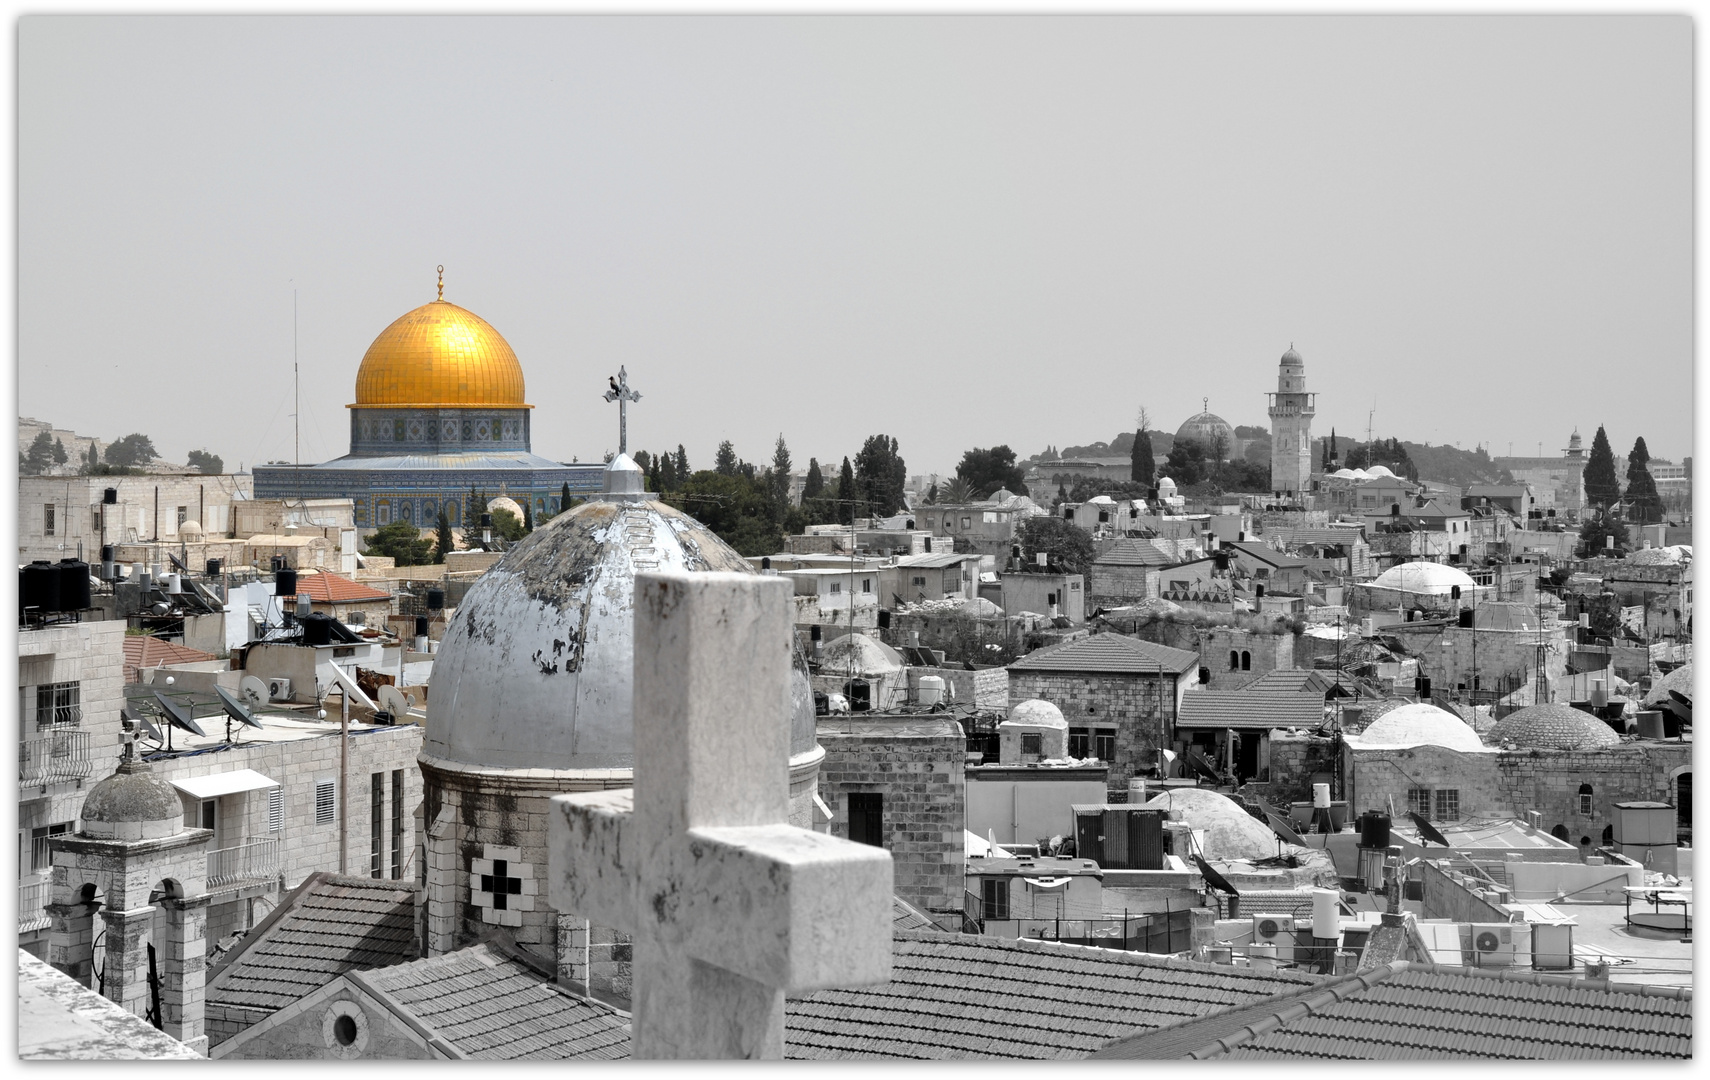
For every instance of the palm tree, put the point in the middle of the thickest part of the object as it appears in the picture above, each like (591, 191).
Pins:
(954, 491)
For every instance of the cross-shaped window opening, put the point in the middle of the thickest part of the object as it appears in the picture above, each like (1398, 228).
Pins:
(501, 884)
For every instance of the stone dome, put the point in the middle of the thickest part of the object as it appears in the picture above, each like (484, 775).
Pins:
(1370, 712)
(1166, 487)
(1037, 713)
(190, 529)
(132, 804)
(536, 669)
(1434, 579)
(871, 657)
(1553, 726)
(1420, 724)
(506, 503)
(1204, 427)
(439, 355)
(1680, 680)
(1291, 357)
(1379, 470)
(1230, 832)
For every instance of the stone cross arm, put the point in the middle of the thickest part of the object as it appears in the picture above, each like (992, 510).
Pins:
(783, 906)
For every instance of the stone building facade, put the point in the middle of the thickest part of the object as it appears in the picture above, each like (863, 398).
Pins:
(1235, 657)
(62, 516)
(1501, 660)
(898, 782)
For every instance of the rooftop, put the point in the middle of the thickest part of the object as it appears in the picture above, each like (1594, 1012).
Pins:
(146, 651)
(1112, 653)
(1251, 707)
(60, 1019)
(1132, 552)
(326, 587)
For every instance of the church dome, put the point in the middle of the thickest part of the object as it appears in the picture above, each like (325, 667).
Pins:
(1420, 724)
(536, 669)
(439, 355)
(132, 804)
(1204, 427)
(1553, 726)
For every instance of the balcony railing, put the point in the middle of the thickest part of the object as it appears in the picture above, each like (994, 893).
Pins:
(33, 896)
(59, 716)
(251, 863)
(60, 757)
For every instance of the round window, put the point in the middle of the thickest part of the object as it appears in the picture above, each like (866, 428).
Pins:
(344, 1030)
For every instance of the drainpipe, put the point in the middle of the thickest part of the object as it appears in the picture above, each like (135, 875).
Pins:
(343, 781)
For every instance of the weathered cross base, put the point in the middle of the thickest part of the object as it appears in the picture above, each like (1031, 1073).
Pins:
(731, 907)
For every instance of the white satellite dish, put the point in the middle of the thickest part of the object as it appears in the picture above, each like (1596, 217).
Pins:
(254, 691)
(394, 701)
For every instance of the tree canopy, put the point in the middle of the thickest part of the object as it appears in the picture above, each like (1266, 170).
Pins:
(985, 471)
(1601, 486)
(737, 508)
(1065, 544)
(133, 449)
(1186, 463)
(1644, 504)
(204, 462)
(724, 462)
(401, 541)
(880, 475)
(39, 457)
(1142, 466)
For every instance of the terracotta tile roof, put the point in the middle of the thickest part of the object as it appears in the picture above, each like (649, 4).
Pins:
(329, 588)
(1404, 1011)
(1131, 552)
(326, 926)
(144, 651)
(967, 996)
(489, 1003)
(1110, 653)
(1246, 708)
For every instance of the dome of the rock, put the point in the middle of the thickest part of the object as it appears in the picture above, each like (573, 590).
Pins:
(439, 355)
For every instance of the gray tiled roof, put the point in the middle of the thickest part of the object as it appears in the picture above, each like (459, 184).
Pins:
(328, 925)
(1246, 708)
(1112, 653)
(1131, 552)
(1404, 1011)
(968, 996)
(1264, 553)
(489, 1004)
(905, 916)
(1294, 680)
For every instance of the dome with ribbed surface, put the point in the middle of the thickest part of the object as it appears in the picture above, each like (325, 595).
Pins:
(439, 355)
(1553, 726)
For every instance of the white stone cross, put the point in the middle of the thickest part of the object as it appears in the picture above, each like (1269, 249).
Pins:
(623, 395)
(731, 907)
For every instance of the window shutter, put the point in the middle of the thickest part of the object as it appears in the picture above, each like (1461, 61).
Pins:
(326, 797)
(275, 809)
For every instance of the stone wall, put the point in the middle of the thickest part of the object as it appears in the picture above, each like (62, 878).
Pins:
(1114, 586)
(917, 766)
(1501, 658)
(1142, 709)
(301, 1033)
(1295, 761)
(90, 654)
(984, 688)
(1264, 652)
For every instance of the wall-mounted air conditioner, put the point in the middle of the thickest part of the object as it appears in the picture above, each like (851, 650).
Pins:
(279, 689)
(1493, 944)
(1275, 930)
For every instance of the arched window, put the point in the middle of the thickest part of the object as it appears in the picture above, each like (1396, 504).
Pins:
(1246, 660)
(383, 514)
(1234, 660)
(1585, 800)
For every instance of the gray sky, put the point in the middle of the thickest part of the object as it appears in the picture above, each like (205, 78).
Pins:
(958, 231)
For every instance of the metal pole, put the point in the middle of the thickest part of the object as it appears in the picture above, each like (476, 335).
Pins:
(343, 781)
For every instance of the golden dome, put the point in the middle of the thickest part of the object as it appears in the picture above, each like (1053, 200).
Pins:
(439, 355)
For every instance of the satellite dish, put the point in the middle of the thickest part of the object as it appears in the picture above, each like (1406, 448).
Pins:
(253, 691)
(235, 708)
(1280, 826)
(394, 701)
(141, 724)
(178, 714)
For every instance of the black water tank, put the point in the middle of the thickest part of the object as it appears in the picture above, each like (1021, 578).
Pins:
(38, 587)
(436, 599)
(421, 626)
(1374, 830)
(884, 619)
(109, 553)
(215, 566)
(73, 585)
(110, 496)
(815, 633)
(285, 582)
(317, 628)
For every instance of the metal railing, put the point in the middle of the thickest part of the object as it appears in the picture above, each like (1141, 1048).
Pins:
(33, 896)
(57, 758)
(248, 863)
(59, 716)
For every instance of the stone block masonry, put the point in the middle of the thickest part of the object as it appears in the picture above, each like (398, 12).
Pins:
(1141, 708)
(915, 766)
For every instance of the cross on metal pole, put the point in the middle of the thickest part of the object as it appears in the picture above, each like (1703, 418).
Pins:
(623, 395)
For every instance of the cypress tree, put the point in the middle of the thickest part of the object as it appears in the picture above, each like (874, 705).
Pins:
(814, 485)
(1141, 463)
(528, 516)
(564, 497)
(1601, 487)
(682, 464)
(724, 462)
(1641, 487)
(846, 493)
(442, 537)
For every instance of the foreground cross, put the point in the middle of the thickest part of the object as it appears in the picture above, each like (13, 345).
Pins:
(623, 395)
(730, 905)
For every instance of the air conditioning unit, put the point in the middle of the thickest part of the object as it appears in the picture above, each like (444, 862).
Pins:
(1493, 944)
(279, 689)
(1275, 930)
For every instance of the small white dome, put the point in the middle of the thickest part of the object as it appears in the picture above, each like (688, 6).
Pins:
(1166, 487)
(1101, 500)
(190, 529)
(871, 656)
(1421, 724)
(1379, 470)
(1347, 474)
(1433, 579)
(1037, 713)
(507, 504)
(1230, 832)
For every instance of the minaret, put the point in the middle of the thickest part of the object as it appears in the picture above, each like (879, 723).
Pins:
(1291, 411)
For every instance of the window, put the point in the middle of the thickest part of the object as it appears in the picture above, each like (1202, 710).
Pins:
(867, 817)
(1585, 800)
(866, 585)
(965, 523)
(1419, 801)
(1448, 804)
(919, 581)
(59, 704)
(383, 514)
(994, 898)
(275, 809)
(41, 859)
(1234, 660)
(1104, 743)
(209, 816)
(837, 588)
(1080, 740)
(326, 801)
(183, 514)
(376, 824)
(47, 519)
(1032, 744)
(1246, 660)
(397, 824)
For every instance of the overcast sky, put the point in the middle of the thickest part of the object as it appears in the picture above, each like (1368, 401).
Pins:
(958, 231)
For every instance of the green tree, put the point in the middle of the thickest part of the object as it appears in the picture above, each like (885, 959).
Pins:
(1142, 466)
(40, 456)
(781, 474)
(473, 507)
(881, 475)
(1247, 476)
(1186, 463)
(682, 464)
(1644, 504)
(506, 525)
(724, 462)
(814, 486)
(1594, 532)
(528, 516)
(60, 457)
(737, 509)
(1601, 487)
(204, 462)
(955, 492)
(846, 493)
(564, 496)
(1066, 545)
(133, 449)
(401, 541)
(985, 471)
(442, 537)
